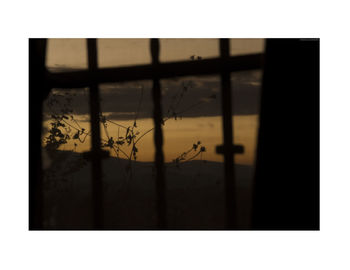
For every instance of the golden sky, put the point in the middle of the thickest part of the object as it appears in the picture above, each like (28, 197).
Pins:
(180, 135)
(125, 52)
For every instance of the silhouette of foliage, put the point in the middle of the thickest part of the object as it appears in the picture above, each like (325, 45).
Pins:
(64, 127)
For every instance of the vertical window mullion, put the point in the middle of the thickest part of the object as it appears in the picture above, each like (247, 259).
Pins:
(228, 137)
(94, 101)
(158, 139)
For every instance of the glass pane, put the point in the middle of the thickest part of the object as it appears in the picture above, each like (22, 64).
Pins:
(67, 173)
(246, 90)
(127, 133)
(194, 171)
(114, 52)
(66, 54)
(241, 46)
(180, 49)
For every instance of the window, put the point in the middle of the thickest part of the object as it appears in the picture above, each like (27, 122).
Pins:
(160, 77)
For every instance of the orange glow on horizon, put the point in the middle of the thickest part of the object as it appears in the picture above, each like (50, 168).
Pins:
(179, 136)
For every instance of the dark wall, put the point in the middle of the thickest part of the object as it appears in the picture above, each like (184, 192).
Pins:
(287, 172)
(37, 92)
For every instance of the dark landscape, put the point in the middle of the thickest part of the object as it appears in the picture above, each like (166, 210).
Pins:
(195, 194)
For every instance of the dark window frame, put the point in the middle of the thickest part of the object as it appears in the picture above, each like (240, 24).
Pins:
(41, 81)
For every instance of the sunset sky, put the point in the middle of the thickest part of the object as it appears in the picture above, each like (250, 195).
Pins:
(125, 52)
(203, 123)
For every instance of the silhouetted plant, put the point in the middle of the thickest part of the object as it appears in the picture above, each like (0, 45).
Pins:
(190, 154)
(64, 127)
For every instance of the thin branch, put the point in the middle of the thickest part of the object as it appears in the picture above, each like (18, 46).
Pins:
(116, 124)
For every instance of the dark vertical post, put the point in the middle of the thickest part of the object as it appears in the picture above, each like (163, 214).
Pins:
(37, 93)
(97, 197)
(228, 137)
(287, 178)
(158, 139)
